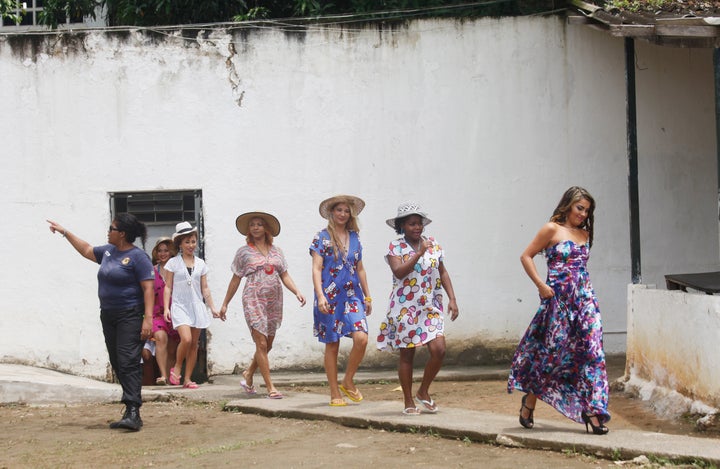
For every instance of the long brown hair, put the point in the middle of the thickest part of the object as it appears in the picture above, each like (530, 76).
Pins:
(570, 197)
(351, 225)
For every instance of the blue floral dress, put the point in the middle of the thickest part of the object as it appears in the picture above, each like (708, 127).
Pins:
(342, 289)
(560, 358)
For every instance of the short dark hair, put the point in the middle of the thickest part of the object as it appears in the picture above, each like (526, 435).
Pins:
(132, 227)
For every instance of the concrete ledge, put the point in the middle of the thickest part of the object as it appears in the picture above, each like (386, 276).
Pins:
(38, 386)
(487, 427)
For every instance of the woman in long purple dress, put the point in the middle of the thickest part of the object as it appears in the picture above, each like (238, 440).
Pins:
(560, 359)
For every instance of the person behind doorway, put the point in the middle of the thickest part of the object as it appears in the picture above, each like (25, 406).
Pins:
(560, 359)
(415, 315)
(125, 289)
(342, 296)
(165, 337)
(263, 265)
(187, 287)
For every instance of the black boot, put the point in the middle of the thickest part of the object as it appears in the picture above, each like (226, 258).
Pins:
(131, 420)
(125, 415)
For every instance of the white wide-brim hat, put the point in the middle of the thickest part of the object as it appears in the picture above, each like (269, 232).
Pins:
(183, 228)
(326, 205)
(272, 224)
(406, 209)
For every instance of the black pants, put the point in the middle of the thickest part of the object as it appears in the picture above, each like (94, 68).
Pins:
(122, 338)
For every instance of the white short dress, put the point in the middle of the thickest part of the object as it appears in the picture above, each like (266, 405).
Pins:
(188, 307)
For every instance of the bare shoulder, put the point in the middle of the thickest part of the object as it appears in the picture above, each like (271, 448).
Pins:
(548, 235)
(549, 230)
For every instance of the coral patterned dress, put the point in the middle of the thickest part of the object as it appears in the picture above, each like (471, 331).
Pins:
(560, 358)
(262, 296)
(415, 315)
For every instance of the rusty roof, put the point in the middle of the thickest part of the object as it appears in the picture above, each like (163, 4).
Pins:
(676, 24)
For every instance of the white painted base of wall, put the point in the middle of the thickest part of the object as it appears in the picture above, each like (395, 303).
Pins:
(666, 403)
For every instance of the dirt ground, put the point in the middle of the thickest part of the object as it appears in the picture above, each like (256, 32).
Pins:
(201, 434)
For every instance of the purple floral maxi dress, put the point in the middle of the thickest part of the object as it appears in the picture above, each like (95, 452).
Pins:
(560, 358)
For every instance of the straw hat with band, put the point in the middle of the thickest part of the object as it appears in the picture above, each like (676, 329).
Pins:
(272, 225)
(327, 204)
(405, 210)
(183, 228)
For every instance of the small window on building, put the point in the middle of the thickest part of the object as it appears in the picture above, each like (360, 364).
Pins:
(161, 211)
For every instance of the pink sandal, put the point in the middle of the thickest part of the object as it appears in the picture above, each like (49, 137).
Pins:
(190, 385)
(174, 379)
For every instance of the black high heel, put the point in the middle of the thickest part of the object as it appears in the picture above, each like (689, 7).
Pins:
(526, 422)
(597, 430)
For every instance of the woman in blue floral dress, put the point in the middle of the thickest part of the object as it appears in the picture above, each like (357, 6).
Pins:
(560, 359)
(342, 297)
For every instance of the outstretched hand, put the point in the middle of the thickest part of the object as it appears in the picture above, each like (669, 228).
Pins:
(56, 227)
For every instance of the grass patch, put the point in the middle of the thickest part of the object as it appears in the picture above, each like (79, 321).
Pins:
(639, 5)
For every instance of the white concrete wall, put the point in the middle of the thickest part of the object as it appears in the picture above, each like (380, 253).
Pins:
(677, 162)
(483, 122)
(672, 342)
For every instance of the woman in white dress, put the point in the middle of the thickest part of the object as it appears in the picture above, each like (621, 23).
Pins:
(186, 284)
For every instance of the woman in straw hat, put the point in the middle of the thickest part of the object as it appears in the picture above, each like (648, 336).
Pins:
(342, 297)
(415, 315)
(186, 284)
(263, 265)
(165, 336)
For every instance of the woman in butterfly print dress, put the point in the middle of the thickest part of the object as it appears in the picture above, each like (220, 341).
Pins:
(342, 297)
(560, 359)
(263, 265)
(415, 316)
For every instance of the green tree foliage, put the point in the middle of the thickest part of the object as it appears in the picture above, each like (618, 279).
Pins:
(56, 12)
(8, 10)
(172, 12)
(169, 12)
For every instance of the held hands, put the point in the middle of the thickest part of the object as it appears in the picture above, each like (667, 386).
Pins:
(216, 313)
(546, 291)
(222, 314)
